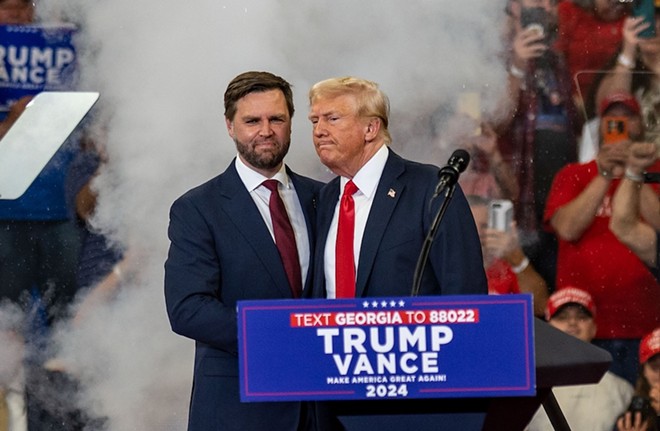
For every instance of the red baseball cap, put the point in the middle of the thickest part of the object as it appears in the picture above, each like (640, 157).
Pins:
(625, 99)
(649, 346)
(569, 295)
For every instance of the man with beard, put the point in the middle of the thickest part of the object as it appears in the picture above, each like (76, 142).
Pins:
(245, 234)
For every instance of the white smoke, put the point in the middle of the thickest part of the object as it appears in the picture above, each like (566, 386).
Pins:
(12, 352)
(162, 67)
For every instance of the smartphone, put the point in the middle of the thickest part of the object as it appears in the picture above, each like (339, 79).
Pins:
(645, 9)
(534, 17)
(615, 129)
(642, 405)
(500, 214)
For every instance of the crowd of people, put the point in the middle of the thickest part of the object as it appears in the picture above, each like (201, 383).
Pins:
(579, 139)
(574, 153)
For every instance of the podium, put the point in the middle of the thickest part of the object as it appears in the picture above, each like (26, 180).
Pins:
(479, 362)
(561, 360)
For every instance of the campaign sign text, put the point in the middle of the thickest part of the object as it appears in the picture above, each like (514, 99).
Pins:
(35, 58)
(386, 348)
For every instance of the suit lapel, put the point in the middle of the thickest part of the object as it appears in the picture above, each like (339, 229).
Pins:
(241, 209)
(327, 203)
(307, 199)
(387, 196)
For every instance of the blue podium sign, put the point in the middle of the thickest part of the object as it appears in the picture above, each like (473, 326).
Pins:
(386, 348)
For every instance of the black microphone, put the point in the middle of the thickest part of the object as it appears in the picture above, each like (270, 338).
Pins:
(449, 174)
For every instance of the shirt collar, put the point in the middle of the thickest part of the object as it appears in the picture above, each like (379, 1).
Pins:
(253, 179)
(368, 176)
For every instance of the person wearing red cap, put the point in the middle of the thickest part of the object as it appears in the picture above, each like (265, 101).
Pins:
(578, 211)
(647, 390)
(594, 407)
(649, 359)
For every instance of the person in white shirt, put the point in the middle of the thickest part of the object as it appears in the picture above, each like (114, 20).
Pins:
(594, 407)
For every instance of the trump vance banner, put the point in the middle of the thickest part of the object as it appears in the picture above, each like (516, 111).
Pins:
(35, 58)
(386, 348)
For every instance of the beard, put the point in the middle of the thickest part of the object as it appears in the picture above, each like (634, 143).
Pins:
(263, 159)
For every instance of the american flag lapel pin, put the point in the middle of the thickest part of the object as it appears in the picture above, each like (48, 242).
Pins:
(391, 193)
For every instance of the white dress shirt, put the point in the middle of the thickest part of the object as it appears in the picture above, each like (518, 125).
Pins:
(366, 180)
(261, 196)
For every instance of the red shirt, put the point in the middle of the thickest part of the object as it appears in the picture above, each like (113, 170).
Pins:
(586, 42)
(626, 294)
(501, 280)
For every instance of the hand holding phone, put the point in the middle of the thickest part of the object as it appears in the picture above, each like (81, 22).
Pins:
(614, 129)
(500, 214)
(646, 9)
(534, 17)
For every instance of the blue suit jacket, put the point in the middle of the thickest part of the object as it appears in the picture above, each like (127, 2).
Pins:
(397, 226)
(221, 252)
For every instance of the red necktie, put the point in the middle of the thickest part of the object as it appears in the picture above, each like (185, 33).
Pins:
(285, 239)
(344, 260)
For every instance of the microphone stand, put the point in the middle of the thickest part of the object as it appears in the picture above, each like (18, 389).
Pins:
(430, 236)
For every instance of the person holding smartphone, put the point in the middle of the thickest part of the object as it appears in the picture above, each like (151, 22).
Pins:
(508, 270)
(635, 68)
(589, 33)
(644, 411)
(578, 211)
(539, 136)
(639, 234)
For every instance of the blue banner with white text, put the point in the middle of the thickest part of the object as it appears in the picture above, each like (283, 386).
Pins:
(35, 58)
(386, 348)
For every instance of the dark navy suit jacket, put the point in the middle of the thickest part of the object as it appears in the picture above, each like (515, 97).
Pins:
(221, 252)
(397, 225)
(396, 228)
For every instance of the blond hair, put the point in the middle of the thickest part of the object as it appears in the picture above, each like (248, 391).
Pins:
(369, 98)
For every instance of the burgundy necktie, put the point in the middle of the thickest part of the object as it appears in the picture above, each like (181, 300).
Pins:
(284, 238)
(344, 259)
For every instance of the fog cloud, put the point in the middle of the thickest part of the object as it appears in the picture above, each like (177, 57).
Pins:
(162, 67)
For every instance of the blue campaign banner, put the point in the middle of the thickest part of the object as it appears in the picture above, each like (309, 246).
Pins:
(386, 348)
(35, 58)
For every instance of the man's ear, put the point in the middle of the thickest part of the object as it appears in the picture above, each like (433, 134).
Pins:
(372, 129)
(230, 127)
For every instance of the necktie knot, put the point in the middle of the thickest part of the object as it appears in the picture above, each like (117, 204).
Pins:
(350, 188)
(271, 185)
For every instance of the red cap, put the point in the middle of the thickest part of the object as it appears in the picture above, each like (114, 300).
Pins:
(649, 346)
(626, 99)
(569, 295)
